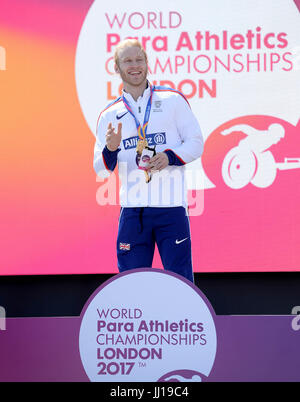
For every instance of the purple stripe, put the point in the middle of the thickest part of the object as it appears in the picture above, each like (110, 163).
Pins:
(250, 348)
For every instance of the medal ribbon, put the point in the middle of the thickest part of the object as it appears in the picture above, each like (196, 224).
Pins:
(142, 130)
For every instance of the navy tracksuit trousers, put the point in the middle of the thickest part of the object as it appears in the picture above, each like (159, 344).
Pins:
(141, 228)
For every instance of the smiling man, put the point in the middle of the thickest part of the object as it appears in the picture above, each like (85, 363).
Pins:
(151, 133)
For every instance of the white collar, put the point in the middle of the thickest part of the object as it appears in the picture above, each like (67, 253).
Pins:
(145, 94)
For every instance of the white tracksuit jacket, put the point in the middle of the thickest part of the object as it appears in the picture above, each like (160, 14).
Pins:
(172, 126)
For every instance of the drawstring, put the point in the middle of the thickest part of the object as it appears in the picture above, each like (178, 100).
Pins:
(141, 218)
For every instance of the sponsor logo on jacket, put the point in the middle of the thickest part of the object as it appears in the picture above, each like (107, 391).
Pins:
(153, 139)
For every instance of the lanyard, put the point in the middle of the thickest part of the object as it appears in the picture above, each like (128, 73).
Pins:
(141, 130)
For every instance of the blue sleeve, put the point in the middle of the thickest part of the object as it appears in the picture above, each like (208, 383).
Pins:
(110, 158)
(173, 158)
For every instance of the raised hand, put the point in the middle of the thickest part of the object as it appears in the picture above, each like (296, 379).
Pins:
(113, 139)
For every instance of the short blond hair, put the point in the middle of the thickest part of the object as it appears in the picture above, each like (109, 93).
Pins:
(128, 43)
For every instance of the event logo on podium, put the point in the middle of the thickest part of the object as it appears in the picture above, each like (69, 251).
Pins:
(147, 325)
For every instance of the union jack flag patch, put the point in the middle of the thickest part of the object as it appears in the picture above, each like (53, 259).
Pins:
(124, 246)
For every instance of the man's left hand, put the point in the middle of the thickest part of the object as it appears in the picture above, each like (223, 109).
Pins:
(159, 161)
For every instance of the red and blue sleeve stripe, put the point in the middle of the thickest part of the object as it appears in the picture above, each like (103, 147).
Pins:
(173, 158)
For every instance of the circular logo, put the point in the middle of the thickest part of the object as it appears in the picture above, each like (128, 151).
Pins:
(159, 139)
(146, 158)
(147, 325)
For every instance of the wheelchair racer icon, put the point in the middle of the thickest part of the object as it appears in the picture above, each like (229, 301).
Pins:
(183, 375)
(251, 161)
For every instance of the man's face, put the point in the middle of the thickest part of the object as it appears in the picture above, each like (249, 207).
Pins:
(132, 66)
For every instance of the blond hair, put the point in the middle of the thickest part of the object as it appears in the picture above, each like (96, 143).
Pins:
(128, 43)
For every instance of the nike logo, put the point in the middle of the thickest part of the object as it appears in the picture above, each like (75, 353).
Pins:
(180, 241)
(120, 117)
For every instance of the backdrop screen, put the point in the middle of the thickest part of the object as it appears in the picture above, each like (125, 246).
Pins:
(238, 63)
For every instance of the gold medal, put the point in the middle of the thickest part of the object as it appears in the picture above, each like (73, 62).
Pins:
(148, 175)
(141, 145)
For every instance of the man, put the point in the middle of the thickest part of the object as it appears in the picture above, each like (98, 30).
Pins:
(151, 133)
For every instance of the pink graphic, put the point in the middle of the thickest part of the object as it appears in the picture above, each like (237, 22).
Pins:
(250, 149)
(50, 219)
(252, 161)
(252, 215)
(52, 20)
(297, 2)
